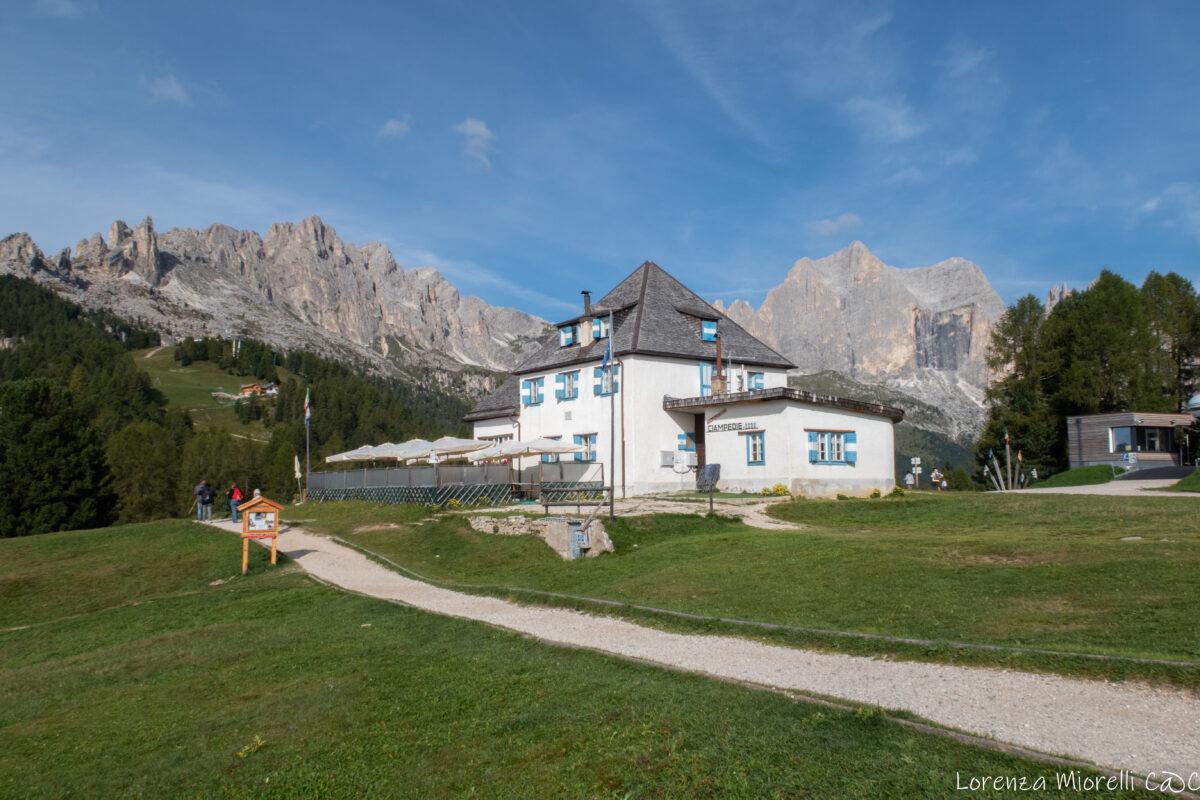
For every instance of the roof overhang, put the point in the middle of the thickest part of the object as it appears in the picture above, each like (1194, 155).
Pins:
(491, 413)
(695, 404)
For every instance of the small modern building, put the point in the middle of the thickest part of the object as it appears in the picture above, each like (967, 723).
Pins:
(1151, 439)
(685, 386)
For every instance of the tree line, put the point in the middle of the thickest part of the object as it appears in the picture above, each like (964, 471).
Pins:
(87, 440)
(1111, 347)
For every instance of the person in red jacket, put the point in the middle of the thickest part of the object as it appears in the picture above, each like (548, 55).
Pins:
(235, 499)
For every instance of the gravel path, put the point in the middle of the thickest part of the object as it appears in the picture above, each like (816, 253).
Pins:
(1119, 726)
(1129, 487)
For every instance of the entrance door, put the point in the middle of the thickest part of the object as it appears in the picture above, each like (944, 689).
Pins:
(698, 435)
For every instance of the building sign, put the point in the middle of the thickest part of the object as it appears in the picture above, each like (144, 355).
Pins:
(734, 426)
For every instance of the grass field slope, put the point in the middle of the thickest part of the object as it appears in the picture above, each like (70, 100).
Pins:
(1081, 476)
(191, 388)
(136, 661)
(1011, 576)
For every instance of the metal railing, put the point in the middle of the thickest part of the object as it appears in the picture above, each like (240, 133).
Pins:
(457, 474)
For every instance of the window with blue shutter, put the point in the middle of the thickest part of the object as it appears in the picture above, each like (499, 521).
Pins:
(598, 382)
(756, 448)
(599, 327)
(833, 447)
(566, 385)
(566, 335)
(531, 391)
(588, 442)
(755, 380)
(706, 373)
(686, 442)
(550, 458)
(708, 330)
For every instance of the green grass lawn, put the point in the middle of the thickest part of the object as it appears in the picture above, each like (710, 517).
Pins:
(1080, 476)
(151, 668)
(1189, 484)
(191, 387)
(1049, 572)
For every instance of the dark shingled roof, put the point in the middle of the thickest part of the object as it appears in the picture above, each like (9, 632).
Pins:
(654, 314)
(502, 402)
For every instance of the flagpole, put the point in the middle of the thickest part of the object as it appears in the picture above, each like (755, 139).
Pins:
(307, 442)
(612, 423)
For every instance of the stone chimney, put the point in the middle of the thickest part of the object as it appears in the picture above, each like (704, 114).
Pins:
(585, 322)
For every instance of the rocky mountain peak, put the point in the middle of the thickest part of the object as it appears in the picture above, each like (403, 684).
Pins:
(299, 286)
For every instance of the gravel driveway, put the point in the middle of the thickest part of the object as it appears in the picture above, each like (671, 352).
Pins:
(1114, 725)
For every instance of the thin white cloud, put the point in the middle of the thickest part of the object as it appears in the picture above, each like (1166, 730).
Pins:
(963, 59)
(906, 175)
(960, 157)
(478, 140)
(1177, 206)
(832, 226)
(167, 88)
(395, 128)
(61, 9)
(887, 119)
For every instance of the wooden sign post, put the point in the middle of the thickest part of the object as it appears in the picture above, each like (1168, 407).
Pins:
(260, 520)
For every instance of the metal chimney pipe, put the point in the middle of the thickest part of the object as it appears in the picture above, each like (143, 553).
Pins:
(587, 301)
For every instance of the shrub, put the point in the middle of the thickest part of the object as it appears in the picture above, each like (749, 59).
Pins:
(778, 490)
(876, 494)
(897, 492)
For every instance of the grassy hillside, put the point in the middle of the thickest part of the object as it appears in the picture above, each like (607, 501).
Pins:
(1081, 476)
(135, 661)
(191, 388)
(1057, 572)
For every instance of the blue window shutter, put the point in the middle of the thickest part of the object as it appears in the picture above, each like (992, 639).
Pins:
(682, 442)
(596, 325)
(762, 447)
(578, 440)
(812, 446)
(708, 330)
(850, 447)
(747, 438)
(597, 381)
(526, 387)
(559, 381)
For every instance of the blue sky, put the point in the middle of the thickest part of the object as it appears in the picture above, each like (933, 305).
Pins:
(530, 150)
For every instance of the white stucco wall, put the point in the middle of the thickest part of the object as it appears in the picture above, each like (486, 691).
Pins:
(785, 425)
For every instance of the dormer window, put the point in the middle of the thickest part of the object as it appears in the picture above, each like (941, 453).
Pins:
(708, 330)
(600, 328)
(566, 335)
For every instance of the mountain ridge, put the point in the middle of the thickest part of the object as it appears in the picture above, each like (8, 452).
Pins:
(922, 330)
(298, 285)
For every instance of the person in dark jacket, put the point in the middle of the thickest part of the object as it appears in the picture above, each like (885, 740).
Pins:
(204, 501)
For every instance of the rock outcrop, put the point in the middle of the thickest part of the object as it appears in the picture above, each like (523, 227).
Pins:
(299, 286)
(924, 331)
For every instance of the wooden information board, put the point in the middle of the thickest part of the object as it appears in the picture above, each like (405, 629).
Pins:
(260, 520)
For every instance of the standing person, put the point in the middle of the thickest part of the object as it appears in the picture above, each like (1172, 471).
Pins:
(204, 495)
(235, 498)
(908, 481)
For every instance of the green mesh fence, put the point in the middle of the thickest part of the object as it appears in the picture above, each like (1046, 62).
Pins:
(466, 494)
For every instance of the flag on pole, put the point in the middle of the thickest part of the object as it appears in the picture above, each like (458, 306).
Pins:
(307, 407)
(296, 459)
(605, 365)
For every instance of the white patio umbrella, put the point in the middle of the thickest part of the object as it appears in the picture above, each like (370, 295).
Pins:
(517, 449)
(413, 448)
(451, 446)
(364, 453)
